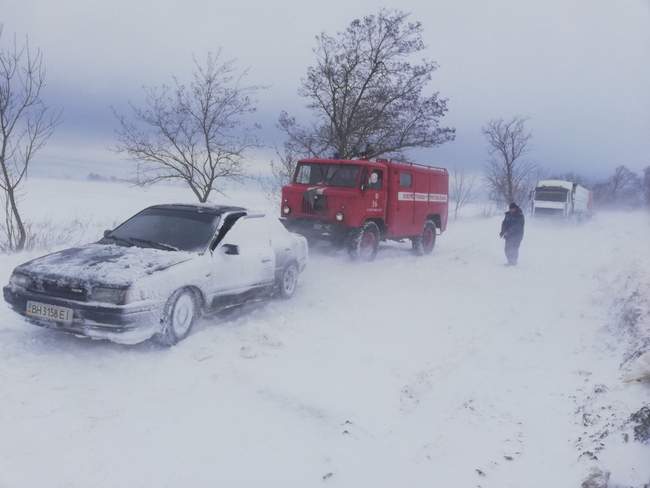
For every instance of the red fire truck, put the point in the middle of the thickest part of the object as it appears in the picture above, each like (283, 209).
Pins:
(357, 203)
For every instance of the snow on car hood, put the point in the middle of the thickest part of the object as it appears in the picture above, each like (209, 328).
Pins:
(103, 264)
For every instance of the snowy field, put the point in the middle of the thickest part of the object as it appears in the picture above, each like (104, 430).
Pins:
(450, 370)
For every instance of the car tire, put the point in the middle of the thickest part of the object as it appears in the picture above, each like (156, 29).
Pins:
(364, 243)
(179, 314)
(425, 242)
(288, 281)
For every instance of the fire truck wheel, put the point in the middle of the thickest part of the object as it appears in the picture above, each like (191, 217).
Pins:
(424, 244)
(364, 242)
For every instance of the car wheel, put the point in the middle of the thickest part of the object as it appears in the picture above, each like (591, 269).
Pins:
(288, 281)
(424, 243)
(364, 243)
(179, 315)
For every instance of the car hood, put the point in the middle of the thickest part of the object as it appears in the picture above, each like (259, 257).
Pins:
(103, 264)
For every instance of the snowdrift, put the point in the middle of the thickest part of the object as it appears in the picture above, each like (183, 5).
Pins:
(451, 370)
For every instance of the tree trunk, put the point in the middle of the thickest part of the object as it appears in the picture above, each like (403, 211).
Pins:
(19, 243)
(511, 197)
(203, 196)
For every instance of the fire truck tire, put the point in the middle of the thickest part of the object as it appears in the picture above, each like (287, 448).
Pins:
(424, 243)
(364, 242)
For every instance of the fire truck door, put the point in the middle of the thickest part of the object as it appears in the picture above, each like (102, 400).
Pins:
(375, 194)
(403, 224)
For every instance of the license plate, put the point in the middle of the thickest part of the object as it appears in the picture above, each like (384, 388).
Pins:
(49, 312)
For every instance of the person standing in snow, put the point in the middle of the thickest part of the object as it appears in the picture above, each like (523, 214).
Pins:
(512, 230)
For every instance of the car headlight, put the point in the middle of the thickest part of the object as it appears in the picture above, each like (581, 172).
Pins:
(20, 280)
(137, 293)
(104, 294)
(286, 210)
(339, 216)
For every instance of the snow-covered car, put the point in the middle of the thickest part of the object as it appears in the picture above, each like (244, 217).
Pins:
(156, 273)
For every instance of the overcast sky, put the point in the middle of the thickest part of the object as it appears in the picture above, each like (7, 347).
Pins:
(580, 69)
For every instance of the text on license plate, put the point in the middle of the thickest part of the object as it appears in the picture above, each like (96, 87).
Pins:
(49, 312)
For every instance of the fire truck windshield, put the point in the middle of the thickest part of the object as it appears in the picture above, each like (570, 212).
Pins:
(346, 175)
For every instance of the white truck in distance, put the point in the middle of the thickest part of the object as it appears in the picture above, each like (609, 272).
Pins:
(559, 198)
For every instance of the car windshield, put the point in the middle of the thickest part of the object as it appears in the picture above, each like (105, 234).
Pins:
(345, 175)
(172, 229)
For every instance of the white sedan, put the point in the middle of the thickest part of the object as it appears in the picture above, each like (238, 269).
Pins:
(156, 273)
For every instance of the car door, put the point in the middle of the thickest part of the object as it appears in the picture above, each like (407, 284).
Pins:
(244, 258)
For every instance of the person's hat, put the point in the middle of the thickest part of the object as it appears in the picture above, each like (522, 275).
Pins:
(512, 206)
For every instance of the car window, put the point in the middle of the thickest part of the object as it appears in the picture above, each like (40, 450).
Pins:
(228, 223)
(175, 228)
(376, 177)
(249, 234)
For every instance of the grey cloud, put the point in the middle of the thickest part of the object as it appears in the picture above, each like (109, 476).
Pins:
(578, 68)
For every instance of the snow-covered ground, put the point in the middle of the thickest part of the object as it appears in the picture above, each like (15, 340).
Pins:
(450, 370)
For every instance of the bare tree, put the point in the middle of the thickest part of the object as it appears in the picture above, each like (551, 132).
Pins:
(366, 95)
(623, 188)
(26, 124)
(462, 189)
(284, 165)
(509, 176)
(194, 133)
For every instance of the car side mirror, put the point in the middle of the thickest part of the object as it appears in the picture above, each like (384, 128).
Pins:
(107, 232)
(230, 249)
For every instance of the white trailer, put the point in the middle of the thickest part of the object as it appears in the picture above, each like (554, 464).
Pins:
(560, 198)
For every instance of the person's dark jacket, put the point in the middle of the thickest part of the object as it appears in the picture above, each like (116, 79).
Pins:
(513, 224)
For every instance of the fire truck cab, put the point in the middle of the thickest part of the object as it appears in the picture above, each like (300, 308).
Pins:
(357, 203)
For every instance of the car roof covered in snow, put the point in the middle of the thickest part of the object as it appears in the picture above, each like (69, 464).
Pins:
(201, 207)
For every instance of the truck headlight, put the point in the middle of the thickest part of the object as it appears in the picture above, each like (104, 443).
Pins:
(102, 294)
(20, 280)
(339, 216)
(286, 210)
